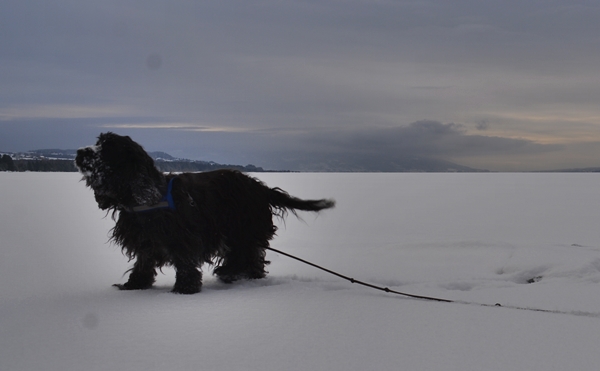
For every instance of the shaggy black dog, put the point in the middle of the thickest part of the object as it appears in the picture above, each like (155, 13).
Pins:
(220, 217)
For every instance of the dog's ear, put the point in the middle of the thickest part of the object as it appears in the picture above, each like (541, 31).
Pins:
(144, 190)
(145, 179)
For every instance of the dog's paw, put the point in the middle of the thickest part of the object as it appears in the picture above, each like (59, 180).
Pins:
(226, 274)
(125, 286)
(255, 274)
(228, 278)
(186, 290)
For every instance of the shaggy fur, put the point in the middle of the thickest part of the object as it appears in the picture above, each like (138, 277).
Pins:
(220, 217)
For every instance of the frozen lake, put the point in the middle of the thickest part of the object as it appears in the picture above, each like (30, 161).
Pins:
(522, 240)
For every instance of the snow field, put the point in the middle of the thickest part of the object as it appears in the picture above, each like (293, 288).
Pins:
(527, 240)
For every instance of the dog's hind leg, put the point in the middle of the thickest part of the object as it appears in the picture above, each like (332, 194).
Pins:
(188, 279)
(243, 261)
(255, 268)
(142, 275)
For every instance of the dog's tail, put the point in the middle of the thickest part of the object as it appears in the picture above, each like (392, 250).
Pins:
(280, 199)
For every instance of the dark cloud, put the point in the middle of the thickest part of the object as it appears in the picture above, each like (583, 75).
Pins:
(483, 125)
(422, 139)
(373, 149)
(430, 138)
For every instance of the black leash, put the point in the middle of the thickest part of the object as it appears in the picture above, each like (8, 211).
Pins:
(386, 289)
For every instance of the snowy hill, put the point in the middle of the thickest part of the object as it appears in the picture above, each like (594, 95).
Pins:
(61, 160)
(522, 240)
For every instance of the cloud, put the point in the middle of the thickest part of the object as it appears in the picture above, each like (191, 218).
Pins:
(433, 139)
(483, 125)
(64, 111)
(375, 148)
(191, 127)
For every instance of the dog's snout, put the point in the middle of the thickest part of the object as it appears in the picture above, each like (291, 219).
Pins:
(85, 159)
(81, 155)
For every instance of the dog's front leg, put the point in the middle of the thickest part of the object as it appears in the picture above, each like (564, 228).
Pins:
(142, 276)
(188, 279)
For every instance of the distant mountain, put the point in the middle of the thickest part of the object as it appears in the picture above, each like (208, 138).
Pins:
(408, 164)
(62, 160)
(167, 163)
(576, 170)
(53, 154)
(163, 156)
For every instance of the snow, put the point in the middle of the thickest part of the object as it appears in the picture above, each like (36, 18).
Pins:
(521, 240)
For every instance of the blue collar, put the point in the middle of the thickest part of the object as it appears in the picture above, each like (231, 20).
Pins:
(166, 202)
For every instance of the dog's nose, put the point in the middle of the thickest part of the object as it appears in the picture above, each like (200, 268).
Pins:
(82, 154)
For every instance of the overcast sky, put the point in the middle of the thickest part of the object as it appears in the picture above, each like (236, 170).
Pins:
(500, 85)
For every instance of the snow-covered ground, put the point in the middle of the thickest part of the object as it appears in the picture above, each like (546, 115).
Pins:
(521, 240)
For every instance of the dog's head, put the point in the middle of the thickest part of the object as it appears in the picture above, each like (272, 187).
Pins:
(120, 172)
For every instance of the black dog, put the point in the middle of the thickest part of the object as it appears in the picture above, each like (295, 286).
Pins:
(220, 217)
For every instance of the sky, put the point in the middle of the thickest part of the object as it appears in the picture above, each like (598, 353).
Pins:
(498, 85)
